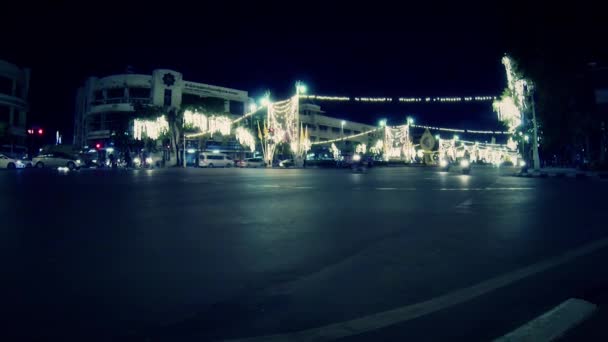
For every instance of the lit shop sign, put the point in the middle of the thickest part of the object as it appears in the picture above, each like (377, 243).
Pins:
(202, 88)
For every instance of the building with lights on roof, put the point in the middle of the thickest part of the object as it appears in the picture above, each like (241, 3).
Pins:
(105, 106)
(14, 86)
(323, 128)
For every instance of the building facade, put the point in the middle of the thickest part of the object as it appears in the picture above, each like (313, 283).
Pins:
(14, 87)
(323, 128)
(106, 106)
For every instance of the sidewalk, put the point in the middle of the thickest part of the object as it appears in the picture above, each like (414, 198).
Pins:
(562, 173)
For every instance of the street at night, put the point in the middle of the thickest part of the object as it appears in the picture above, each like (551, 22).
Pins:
(216, 254)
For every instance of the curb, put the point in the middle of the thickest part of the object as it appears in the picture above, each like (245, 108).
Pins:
(574, 175)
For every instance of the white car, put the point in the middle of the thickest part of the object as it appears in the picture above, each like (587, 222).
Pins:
(57, 159)
(214, 160)
(253, 162)
(11, 163)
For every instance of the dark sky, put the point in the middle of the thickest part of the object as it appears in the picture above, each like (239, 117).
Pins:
(378, 52)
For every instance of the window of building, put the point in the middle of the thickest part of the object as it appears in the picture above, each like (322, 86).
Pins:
(139, 93)
(98, 95)
(115, 93)
(6, 85)
(5, 114)
(323, 128)
(323, 139)
(168, 95)
(357, 132)
(335, 129)
(313, 138)
(347, 131)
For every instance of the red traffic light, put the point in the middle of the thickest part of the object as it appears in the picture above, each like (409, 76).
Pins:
(98, 146)
(40, 131)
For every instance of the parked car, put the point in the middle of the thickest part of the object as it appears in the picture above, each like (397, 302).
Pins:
(57, 159)
(214, 160)
(252, 162)
(12, 163)
(286, 163)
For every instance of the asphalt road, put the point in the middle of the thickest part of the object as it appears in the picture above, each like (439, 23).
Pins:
(197, 254)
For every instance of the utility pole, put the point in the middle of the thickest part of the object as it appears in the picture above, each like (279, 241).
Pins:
(535, 155)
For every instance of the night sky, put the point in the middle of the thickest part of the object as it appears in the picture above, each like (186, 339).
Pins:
(426, 52)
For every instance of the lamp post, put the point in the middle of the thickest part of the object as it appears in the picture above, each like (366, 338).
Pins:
(535, 155)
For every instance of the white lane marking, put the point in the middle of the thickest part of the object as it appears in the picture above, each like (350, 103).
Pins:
(554, 323)
(405, 313)
(270, 186)
(386, 188)
(303, 187)
(465, 204)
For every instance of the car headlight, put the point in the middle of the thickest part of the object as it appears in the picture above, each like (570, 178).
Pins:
(136, 160)
(148, 160)
(443, 163)
(522, 163)
(356, 157)
(78, 161)
(464, 163)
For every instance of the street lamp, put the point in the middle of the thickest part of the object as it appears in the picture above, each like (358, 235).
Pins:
(264, 101)
(382, 123)
(437, 137)
(456, 137)
(300, 87)
(253, 107)
(410, 120)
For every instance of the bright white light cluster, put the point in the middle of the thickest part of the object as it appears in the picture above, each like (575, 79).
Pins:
(510, 108)
(219, 124)
(361, 148)
(245, 138)
(207, 124)
(377, 148)
(335, 151)
(450, 149)
(150, 128)
(508, 112)
(195, 119)
(397, 144)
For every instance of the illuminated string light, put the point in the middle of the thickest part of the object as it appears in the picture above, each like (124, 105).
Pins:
(245, 138)
(427, 99)
(207, 125)
(345, 138)
(237, 120)
(150, 128)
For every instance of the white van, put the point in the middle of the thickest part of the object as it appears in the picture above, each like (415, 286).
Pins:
(206, 159)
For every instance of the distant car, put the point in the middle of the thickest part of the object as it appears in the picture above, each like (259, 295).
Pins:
(214, 160)
(11, 163)
(57, 159)
(252, 162)
(286, 163)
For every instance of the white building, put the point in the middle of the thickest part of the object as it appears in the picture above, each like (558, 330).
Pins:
(322, 127)
(104, 106)
(14, 86)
